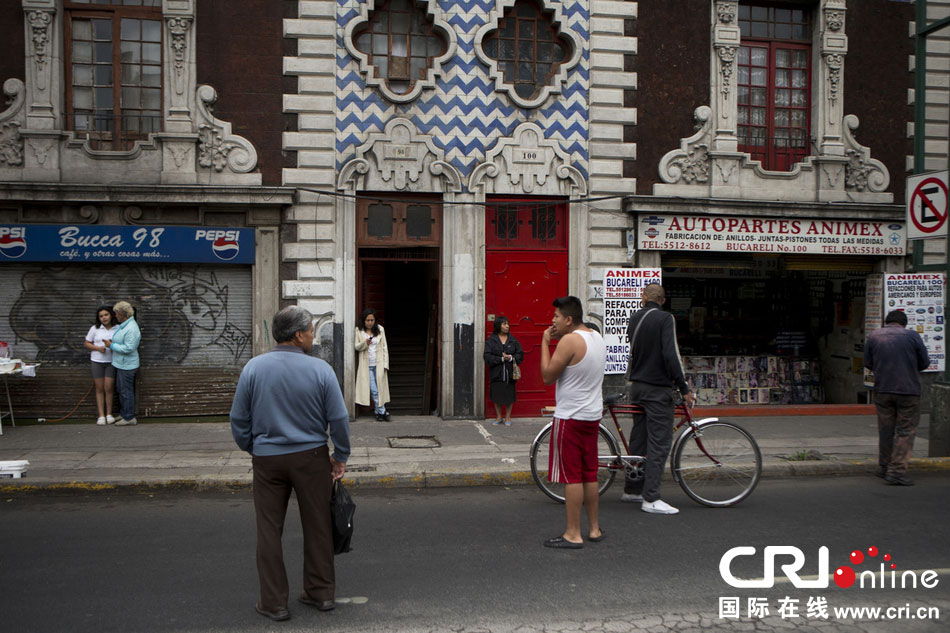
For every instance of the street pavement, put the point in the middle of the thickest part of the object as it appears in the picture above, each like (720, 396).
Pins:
(471, 560)
(408, 452)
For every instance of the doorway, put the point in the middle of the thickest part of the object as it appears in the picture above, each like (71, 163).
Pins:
(398, 272)
(526, 267)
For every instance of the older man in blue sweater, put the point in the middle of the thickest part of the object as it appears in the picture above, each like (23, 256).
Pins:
(287, 406)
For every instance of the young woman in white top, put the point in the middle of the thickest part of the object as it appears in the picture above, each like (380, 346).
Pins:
(103, 373)
(372, 380)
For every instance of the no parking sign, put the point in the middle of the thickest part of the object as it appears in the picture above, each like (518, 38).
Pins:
(927, 203)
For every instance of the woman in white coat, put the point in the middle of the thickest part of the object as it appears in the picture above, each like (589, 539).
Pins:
(372, 374)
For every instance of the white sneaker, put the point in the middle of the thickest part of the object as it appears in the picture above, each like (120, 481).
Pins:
(110, 419)
(101, 421)
(629, 497)
(124, 422)
(658, 507)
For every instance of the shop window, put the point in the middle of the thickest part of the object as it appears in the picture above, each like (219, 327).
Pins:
(535, 225)
(400, 43)
(113, 71)
(527, 48)
(774, 78)
(411, 222)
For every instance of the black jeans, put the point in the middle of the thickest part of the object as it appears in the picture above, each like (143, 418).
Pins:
(652, 435)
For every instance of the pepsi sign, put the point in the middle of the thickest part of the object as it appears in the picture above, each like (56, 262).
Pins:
(12, 241)
(104, 243)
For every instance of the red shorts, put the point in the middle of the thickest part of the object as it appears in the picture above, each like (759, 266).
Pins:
(573, 457)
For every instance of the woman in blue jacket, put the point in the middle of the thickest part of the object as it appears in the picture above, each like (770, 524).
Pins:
(125, 358)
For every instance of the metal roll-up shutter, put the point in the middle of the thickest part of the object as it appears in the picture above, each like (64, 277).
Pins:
(196, 333)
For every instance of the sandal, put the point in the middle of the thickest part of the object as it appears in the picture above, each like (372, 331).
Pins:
(559, 542)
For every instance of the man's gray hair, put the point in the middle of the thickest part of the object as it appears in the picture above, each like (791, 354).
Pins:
(289, 321)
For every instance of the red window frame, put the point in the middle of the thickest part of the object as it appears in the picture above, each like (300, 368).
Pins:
(527, 223)
(780, 147)
(118, 138)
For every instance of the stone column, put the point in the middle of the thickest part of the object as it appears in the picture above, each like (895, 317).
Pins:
(179, 140)
(726, 39)
(834, 47)
(41, 135)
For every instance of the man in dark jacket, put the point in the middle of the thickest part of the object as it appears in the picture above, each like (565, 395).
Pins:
(655, 368)
(896, 355)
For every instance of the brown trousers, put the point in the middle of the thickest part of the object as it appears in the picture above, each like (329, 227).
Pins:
(897, 419)
(308, 474)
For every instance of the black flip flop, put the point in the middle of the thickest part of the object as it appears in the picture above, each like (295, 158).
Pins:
(597, 539)
(560, 542)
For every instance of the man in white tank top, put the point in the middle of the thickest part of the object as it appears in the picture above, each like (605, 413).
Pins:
(578, 369)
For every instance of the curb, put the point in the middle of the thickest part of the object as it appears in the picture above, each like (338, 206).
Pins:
(772, 470)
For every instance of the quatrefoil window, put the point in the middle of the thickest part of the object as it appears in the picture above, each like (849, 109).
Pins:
(400, 46)
(527, 51)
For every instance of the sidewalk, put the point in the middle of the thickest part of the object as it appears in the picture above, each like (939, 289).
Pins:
(192, 456)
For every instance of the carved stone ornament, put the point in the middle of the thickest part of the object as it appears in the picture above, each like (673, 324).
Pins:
(564, 68)
(368, 70)
(40, 22)
(834, 63)
(834, 20)
(218, 148)
(727, 58)
(726, 12)
(400, 159)
(178, 27)
(41, 150)
(11, 143)
(690, 163)
(862, 173)
(528, 163)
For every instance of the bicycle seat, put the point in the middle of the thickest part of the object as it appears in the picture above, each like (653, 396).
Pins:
(613, 398)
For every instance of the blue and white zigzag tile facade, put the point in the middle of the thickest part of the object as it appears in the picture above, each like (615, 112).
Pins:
(463, 113)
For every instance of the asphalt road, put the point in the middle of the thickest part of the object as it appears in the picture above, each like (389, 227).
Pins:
(454, 559)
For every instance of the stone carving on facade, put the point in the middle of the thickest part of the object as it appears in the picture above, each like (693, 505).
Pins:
(218, 148)
(727, 59)
(834, 62)
(368, 70)
(11, 143)
(40, 22)
(400, 158)
(528, 163)
(726, 12)
(834, 20)
(41, 150)
(862, 173)
(690, 163)
(178, 27)
(557, 80)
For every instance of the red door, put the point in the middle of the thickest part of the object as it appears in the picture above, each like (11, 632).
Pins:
(525, 270)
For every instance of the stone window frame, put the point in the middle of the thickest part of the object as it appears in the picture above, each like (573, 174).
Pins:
(439, 24)
(709, 163)
(558, 79)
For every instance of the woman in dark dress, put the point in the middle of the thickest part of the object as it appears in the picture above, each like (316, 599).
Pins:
(502, 351)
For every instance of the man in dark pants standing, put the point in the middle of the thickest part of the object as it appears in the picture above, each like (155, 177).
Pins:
(896, 355)
(655, 367)
(286, 407)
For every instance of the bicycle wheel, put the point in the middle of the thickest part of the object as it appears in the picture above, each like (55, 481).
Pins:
(607, 454)
(719, 466)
